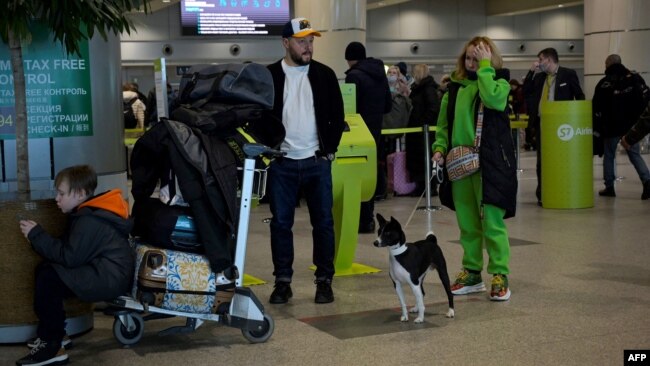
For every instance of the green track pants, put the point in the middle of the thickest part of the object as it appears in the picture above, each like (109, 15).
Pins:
(467, 194)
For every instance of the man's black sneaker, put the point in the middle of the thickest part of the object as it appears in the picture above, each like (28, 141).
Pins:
(66, 342)
(646, 190)
(281, 293)
(45, 353)
(324, 293)
(607, 192)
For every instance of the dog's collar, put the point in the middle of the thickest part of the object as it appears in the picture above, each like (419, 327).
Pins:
(397, 249)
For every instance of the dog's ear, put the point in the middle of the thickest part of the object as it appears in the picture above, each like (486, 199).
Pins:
(394, 221)
(381, 220)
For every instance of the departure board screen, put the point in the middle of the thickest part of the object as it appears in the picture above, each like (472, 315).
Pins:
(234, 17)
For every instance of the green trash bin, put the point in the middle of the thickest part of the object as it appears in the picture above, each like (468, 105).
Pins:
(567, 154)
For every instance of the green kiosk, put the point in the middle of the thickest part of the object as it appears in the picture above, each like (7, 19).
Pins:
(354, 175)
(567, 158)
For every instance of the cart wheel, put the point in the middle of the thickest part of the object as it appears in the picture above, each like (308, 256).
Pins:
(123, 334)
(262, 335)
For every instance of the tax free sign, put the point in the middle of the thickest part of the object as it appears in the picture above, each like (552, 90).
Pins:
(57, 88)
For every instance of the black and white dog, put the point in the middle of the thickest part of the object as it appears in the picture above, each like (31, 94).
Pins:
(409, 264)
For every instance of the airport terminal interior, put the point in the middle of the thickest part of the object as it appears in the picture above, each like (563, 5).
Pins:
(579, 275)
(579, 281)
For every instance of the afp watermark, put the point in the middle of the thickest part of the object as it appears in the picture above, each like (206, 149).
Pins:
(636, 357)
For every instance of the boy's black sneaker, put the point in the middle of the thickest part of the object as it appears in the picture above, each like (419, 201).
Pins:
(281, 294)
(66, 342)
(45, 353)
(324, 293)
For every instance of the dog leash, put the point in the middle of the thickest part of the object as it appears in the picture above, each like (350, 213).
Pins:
(436, 172)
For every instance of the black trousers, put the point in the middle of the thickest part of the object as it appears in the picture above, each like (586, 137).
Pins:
(49, 293)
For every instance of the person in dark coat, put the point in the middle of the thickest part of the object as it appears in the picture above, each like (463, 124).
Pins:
(617, 104)
(373, 101)
(426, 106)
(547, 81)
(92, 260)
(639, 130)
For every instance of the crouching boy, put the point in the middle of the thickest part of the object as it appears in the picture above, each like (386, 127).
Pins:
(92, 260)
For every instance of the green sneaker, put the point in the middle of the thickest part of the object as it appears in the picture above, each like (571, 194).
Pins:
(467, 283)
(500, 290)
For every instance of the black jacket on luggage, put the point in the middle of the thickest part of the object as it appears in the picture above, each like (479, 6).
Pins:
(206, 170)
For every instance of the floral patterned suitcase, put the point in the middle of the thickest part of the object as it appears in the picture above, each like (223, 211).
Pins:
(178, 281)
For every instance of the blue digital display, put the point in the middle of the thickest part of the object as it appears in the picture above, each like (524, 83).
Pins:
(234, 17)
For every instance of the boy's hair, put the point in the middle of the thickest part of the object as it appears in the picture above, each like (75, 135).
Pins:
(80, 178)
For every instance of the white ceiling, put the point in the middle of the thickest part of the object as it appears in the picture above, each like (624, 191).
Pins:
(494, 7)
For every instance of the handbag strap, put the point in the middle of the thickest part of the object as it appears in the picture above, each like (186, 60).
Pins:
(479, 126)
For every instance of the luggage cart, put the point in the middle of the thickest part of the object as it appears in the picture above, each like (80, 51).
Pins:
(244, 310)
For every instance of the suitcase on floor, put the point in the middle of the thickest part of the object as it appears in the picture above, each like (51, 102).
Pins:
(178, 281)
(398, 175)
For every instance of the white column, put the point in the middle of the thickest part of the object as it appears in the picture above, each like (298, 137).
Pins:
(616, 26)
(340, 22)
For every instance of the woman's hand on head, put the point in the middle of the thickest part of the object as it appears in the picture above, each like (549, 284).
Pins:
(482, 51)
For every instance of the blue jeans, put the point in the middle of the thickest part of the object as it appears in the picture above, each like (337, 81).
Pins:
(609, 161)
(287, 179)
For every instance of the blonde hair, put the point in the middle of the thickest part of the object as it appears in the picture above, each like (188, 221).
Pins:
(496, 61)
(394, 67)
(420, 71)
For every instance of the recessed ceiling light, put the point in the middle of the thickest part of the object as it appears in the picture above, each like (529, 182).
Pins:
(560, 6)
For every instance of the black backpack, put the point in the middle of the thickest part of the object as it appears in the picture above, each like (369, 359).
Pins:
(130, 121)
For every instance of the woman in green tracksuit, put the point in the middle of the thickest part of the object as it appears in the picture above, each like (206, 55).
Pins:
(483, 200)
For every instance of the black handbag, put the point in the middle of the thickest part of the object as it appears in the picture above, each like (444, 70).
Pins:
(444, 191)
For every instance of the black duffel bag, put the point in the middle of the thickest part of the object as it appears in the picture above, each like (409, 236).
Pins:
(227, 83)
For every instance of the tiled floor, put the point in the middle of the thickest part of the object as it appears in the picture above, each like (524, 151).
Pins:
(580, 296)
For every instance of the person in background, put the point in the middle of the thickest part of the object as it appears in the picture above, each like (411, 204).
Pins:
(547, 81)
(152, 106)
(373, 101)
(479, 90)
(517, 107)
(143, 98)
(404, 70)
(92, 260)
(444, 82)
(397, 81)
(308, 101)
(640, 129)
(130, 96)
(516, 98)
(618, 102)
(426, 105)
(400, 112)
